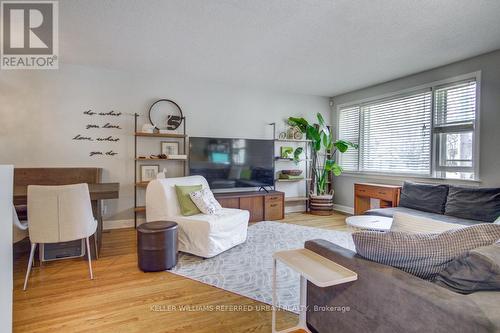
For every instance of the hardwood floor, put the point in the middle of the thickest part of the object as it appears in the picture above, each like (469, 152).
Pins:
(121, 298)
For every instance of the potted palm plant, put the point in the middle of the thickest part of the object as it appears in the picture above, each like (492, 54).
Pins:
(324, 151)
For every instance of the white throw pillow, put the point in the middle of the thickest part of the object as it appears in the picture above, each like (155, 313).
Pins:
(205, 201)
(419, 224)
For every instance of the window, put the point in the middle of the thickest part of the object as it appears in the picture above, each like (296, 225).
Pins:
(454, 120)
(427, 132)
(349, 117)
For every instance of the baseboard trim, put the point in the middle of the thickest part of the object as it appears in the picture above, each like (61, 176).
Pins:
(295, 209)
(344, 209)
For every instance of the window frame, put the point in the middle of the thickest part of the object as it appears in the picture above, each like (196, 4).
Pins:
(436, 172)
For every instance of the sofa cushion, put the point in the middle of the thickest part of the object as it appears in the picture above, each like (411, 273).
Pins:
(481, 204)
(423, 255)
(424, 197)
(208, 235)
(405, 222)
(478, 269)
(389, 212)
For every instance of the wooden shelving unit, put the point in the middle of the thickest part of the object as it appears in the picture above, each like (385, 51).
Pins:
(139, 185)
(292, 180)
(140, 209)
(307, 160)
(161, 135)
(291, 140)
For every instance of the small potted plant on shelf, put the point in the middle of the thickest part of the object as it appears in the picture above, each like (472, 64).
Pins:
(324, 150)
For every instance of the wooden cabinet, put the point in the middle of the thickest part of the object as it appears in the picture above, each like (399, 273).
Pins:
(255, 205)
(229, 202)
(363, 192)
(274, 208)
(261, 205)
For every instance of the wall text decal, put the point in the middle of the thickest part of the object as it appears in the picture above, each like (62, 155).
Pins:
(109, 138)
(110, 113)
(107, 125)
(80, 137)
(109, 153)
(96, 126)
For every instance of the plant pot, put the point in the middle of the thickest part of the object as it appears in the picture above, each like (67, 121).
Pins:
(321, 204)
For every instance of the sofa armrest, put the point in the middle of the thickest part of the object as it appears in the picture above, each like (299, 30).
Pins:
(385, 299)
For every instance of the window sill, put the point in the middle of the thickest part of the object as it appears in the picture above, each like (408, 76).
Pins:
(401, 177)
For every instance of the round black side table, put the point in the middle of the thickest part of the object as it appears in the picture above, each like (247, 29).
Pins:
(157, 246)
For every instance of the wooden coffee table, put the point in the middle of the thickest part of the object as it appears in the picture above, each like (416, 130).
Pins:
(370, 222)
(313, 268)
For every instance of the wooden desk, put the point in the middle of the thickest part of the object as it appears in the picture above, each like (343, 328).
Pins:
(97, 192)
(65, 176)
(100, 191)
(363, 192)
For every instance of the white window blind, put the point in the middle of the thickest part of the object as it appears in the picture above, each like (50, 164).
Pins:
(349, 131)
(396, 135)
(427, 132)
(455, 105)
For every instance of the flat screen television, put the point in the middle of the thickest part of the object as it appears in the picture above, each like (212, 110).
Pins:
(232, 163)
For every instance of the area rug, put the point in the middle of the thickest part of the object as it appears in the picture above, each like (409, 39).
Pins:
(247, 268)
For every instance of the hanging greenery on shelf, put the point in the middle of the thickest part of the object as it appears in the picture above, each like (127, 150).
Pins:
(324, 149)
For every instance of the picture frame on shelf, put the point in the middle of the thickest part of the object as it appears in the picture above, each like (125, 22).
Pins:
(286, 152)
(149, 172)
(170, 148)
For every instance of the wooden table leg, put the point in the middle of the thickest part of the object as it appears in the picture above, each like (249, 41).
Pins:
(303, 304)
(361, 205)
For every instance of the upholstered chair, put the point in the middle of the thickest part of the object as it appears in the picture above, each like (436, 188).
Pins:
(20, 229)
(59, 214)
(201, 234)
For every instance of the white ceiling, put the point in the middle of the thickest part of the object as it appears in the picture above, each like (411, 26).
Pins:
(319, 47)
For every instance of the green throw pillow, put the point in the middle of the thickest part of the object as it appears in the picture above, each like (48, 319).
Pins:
(187, 205)
(246, 174)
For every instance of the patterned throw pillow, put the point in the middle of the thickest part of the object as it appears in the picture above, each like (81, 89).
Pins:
(423, 255)
(205, 201)
(420, 224)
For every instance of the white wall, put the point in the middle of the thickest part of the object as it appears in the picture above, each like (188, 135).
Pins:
(6, 173)
(42, 110)
(489, 164)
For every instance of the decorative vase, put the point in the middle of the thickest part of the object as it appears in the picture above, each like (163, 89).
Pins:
(321, 204)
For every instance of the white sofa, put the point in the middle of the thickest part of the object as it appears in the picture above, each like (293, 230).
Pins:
(202, 235)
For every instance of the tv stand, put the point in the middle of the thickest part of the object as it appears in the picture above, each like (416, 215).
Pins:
(263, 188)
(263, 205)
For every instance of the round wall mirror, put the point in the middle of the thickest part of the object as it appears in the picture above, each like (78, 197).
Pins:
(165, 114)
